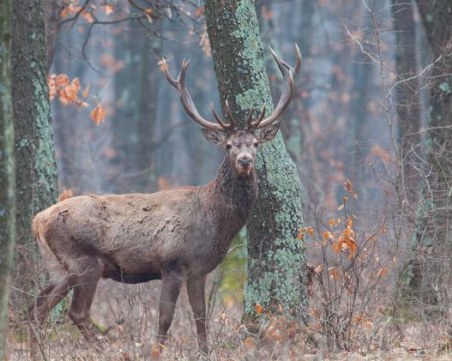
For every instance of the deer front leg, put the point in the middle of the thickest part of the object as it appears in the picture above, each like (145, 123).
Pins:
(195, 290)
(171, 285)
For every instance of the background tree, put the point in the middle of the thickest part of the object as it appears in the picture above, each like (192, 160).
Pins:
(35, 158)
(407, 101)
(7, 171)
(275, 256)
(428, 281)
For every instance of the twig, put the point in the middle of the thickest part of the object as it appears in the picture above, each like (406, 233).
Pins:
(75, 17)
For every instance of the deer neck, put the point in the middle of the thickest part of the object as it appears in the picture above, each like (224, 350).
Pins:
(237, 191)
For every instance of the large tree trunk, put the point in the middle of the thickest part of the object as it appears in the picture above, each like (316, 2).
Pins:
(7, 171)
(429, 273)
(275, 256)
(36, 176)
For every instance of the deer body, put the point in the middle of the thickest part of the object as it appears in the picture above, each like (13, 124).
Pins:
(135, 237)
(179, 235)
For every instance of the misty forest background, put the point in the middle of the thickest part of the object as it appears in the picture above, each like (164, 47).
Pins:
(369, 130)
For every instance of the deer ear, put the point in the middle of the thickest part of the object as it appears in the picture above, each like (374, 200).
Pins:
(214, 136)
(267, 133)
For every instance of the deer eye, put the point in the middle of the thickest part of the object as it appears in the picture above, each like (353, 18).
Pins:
(228, 145)
(256, 144)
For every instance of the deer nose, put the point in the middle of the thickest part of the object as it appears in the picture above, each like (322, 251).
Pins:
(245, 161)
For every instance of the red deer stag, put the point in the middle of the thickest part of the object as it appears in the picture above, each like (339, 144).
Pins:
(175, 235)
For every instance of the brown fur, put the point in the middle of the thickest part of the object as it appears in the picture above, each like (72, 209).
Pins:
(175, 235)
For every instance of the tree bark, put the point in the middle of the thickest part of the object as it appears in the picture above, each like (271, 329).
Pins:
(430, 276)
(407, 101)
(275, 256)
(35, 158)
(7, 171)
(52, 10)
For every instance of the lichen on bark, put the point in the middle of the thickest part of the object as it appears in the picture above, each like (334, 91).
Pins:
(275, 257)
(7, 171)
(35, 156)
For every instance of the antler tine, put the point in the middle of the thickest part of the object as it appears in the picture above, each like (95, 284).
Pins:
(168, 76)
(297, 61)
(249, 121)
(287, 92)
(261, 116)
(231, 124)
(185, 97)
(217, 118)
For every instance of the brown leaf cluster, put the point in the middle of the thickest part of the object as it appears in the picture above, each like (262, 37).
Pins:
(69, 92)
(72, 8)
(346, 240)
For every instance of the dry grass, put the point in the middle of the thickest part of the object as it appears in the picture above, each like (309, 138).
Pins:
(132, 314)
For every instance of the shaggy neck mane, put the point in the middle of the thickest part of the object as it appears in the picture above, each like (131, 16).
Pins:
(237, 190)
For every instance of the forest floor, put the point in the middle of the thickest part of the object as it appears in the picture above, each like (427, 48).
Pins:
(131, 313)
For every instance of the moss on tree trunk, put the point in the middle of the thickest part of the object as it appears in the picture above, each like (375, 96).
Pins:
(35, 156)
(275, 256)
(7, 170)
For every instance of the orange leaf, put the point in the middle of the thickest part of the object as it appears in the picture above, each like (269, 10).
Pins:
(148, 13)
(333, 222)
(327, 235)
(352, 247)
(199, 11)
(163, 183)
(62, 80)
(98, 114)
(67, 193)
(71, 9)
(337, 246)
(108, 9)
(67, 95)
(88, 17)
(304, 230)
(249, 343)
(163, 65)
(51, 83)
(348, 186)
(259, 309)
(334, 273)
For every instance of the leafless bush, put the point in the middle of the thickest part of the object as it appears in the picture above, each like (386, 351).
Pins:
(349, 286)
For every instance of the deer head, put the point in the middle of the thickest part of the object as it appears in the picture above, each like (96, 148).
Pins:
(240, 143)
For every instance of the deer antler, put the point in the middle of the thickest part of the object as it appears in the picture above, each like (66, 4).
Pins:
(188, 104)
(288, 74)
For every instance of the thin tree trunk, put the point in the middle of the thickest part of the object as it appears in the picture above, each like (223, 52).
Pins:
(7, 171)
(35, 158)
(407, 100)
(275, 256)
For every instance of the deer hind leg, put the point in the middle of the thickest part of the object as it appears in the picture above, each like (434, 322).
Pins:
(171, 285)
(83, 296)
(47, 299)
(195, 290)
